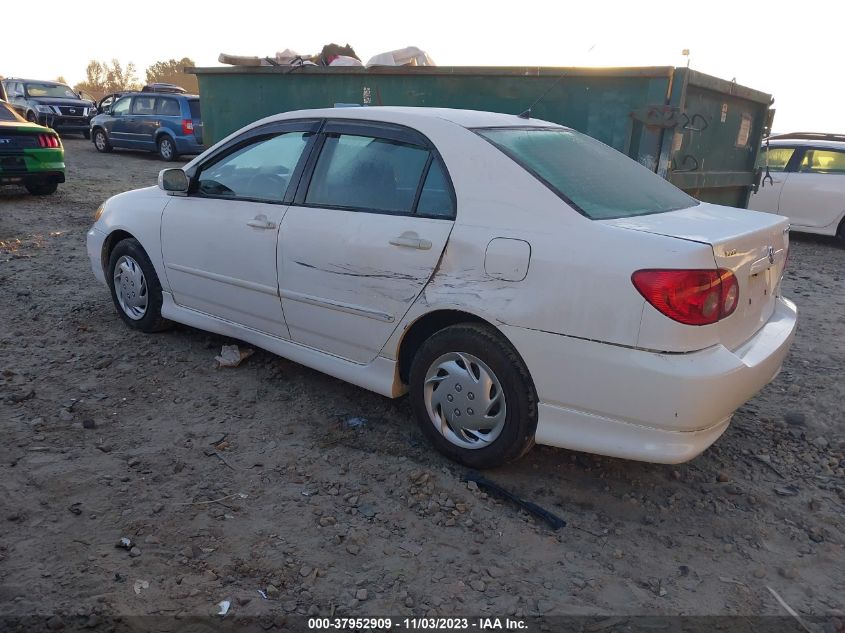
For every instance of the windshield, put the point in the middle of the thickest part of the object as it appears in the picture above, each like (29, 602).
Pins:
(595, 179)
(50, 90)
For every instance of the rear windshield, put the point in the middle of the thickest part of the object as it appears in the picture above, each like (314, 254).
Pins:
(6, 114)
(195, 109)
(598, 181)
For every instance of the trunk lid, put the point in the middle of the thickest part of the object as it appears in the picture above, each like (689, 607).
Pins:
(750, 244)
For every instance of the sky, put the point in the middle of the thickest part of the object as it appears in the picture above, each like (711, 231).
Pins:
(777, 47)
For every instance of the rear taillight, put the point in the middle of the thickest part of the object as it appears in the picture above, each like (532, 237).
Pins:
(187, 126)
(50, 141)
(693, 297)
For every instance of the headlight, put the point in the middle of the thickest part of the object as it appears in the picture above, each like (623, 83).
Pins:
(99, 212)
(45, 109)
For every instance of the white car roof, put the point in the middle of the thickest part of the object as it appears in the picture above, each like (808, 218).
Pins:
(464, 118)
(802, 142)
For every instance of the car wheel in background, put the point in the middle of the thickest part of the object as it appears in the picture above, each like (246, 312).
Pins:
(101, 141)
(135, 288)
(473, 397)
(41, 188)
(167, 148)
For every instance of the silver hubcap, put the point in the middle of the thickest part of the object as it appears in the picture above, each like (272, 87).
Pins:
(465, 401)
(130, 286)
(166, 149)
(100, 140)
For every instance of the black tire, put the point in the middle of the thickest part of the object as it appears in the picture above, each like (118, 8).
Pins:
(41, 188)
(101, 141)
(86, 135)
(151, 321)
(486, 344)
(840, 232)
(31, 117)
(167, 148)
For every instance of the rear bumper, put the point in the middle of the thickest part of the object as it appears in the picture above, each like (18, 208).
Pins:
(635, 404)
(188, 145)
(44, 165)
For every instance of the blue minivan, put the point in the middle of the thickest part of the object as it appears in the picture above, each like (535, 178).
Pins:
(169, 124)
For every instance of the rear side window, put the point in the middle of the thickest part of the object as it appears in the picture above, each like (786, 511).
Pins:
(366, 173)
(436, 195)
(144, 105)
(823, 161)
(168, 107)
(194, 105)
(595, 179)
(778, 157)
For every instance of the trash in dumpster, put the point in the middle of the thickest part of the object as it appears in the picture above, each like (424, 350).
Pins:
(232, 355)
(408, 56)
(330, 55)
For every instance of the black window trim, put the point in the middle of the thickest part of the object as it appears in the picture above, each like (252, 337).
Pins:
(382, 130)
(262, 132)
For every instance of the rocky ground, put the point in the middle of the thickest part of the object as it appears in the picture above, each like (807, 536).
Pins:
(251, 484)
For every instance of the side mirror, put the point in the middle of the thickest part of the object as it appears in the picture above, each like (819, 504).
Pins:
(173, 180)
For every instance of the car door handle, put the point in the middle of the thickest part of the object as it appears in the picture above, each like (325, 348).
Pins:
(261, 222)
(410, 239)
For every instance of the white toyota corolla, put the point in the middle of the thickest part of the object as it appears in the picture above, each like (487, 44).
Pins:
(524, 282)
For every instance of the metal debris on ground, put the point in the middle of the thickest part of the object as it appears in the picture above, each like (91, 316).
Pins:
(232, 355)
(139, 585)
(224, 605)
(554, 521)
(125, 543)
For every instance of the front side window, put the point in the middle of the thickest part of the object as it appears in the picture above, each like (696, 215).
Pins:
(778, 158)
(144, 105)
(598, 181)
(259, 171)
(121, 107)
(823, 161)
(50, 90)
(367, 173)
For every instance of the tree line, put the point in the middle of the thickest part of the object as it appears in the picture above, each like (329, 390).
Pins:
(103, 78)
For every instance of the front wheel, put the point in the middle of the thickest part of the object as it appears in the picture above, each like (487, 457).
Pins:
(473, 397)
(135, 288)
(167, 148)
(101, 141)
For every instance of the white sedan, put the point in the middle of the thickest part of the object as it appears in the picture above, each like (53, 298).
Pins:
(523, 282)
(805, 182)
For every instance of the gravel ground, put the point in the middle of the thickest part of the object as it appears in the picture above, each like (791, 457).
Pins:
(231, 481)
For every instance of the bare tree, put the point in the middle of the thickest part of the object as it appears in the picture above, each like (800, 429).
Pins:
(172, 71)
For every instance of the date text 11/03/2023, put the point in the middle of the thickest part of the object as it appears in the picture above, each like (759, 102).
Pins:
(417, 624)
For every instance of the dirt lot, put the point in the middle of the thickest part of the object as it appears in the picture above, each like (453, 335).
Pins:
(231, 481)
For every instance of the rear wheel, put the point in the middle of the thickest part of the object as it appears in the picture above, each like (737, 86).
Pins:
(135, 288)
(167, 148)
(101, 141)
(41, 188)
(473, 397)
(840, 232)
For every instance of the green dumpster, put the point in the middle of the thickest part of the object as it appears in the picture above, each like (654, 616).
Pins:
(700, 132)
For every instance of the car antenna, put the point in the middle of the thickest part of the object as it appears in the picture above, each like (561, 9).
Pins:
(526, 114)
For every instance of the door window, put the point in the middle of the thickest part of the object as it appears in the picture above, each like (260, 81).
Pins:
(121, 107)
(168, 107)
(823, 161)
(436, 196)
(778, 158)
(366, 173)
(258, 171)
(144, 105)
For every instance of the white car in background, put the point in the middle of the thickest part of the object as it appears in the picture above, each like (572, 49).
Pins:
(524, 282)
(807, 183)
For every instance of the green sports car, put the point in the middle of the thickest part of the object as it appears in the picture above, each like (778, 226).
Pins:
(30, 154)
